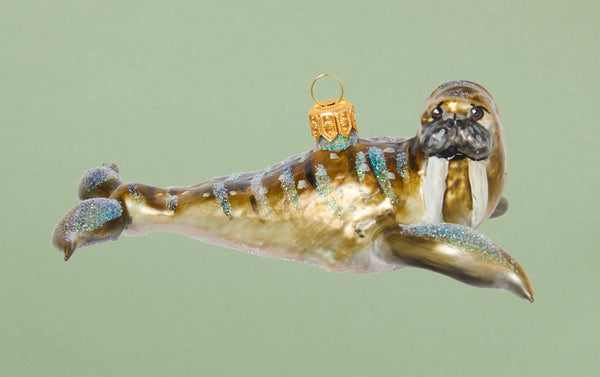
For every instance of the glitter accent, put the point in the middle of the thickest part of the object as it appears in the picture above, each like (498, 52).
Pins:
(377, 159)
(221, 197)
(232, 177)
(171, 202)
(457, 82)
(402, 164)
(338, 144)
(260, 192)
(99, 182)
(88, 216)
(461, 238)
(136, 197)
(361, 165)
(289, 189)
(98, 176)
(326, 190)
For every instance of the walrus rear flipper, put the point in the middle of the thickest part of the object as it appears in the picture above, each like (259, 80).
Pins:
(456, 251)
(99, 182)
(90, 222)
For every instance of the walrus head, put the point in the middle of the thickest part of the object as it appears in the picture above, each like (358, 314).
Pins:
(460, 120)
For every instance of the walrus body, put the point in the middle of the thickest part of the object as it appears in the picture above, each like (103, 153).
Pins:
(372, 205)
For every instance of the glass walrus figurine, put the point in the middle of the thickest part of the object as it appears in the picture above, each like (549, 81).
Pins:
(348, 205)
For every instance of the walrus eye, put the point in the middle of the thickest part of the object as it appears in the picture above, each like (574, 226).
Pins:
(436, 113)
(476, 113)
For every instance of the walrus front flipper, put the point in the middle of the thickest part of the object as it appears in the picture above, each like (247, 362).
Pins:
(501, 208)
(90, 222)
(456, 251)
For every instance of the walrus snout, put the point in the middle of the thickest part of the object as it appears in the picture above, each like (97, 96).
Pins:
(456, 139)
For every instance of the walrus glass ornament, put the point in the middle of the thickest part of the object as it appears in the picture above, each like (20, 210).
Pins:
(347, 205)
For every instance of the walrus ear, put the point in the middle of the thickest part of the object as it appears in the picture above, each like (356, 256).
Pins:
(501, 208)
(456, 251)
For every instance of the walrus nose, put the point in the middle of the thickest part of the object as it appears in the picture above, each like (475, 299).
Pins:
(450, 127)
(449, 123)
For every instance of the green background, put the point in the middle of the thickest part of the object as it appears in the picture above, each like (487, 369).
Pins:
(178, 92)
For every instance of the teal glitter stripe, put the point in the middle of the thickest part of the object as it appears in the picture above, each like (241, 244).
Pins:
(377, 159)
(171, 202)
(260, 192)
(326, 190)
(221, 197)
(232, 177)
(361, 166)
(289, 189)
(464, 239)
(402, 164)
(135, 195)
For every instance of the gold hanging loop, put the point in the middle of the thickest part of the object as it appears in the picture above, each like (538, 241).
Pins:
(333, 117)
(313, 86)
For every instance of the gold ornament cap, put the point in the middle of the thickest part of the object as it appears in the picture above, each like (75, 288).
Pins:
(332, 117)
